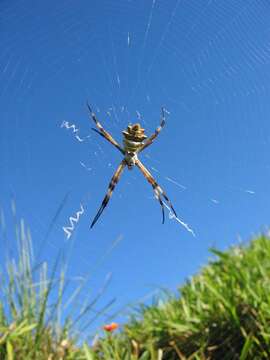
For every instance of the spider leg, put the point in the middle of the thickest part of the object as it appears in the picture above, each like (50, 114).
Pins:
(150, 140)
(101, 131)
(161, 204)
(155, 185)
(112, 185)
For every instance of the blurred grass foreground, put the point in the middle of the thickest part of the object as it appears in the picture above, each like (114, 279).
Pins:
(223, 312)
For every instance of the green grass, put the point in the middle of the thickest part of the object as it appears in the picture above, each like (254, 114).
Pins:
(37, 320)
(221, 313)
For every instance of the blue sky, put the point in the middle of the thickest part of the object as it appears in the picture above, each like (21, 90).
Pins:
(207, 62)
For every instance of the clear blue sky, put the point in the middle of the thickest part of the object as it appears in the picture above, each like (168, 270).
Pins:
(207, 62)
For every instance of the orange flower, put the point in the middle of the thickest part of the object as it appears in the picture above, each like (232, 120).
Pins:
(110, 327)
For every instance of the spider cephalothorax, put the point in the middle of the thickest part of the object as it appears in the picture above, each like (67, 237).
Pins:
(134, 142)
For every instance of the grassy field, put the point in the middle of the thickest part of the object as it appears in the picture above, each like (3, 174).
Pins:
(221, 313)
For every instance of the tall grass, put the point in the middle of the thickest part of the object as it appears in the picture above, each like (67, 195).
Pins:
(35, 320)
(223, 312)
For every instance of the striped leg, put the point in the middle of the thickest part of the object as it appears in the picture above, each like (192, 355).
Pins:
(112, 185)
(103, 132)
(161, 204)
(150, 140)
(155, 185)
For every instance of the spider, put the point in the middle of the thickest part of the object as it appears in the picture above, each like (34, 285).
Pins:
(134, 142)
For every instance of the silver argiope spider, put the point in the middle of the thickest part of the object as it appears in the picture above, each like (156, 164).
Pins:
(134, 142)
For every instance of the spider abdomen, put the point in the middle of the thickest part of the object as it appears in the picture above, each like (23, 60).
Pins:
(133, 138)
(131, 146)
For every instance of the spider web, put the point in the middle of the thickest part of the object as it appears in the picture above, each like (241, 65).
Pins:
(206, 62)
